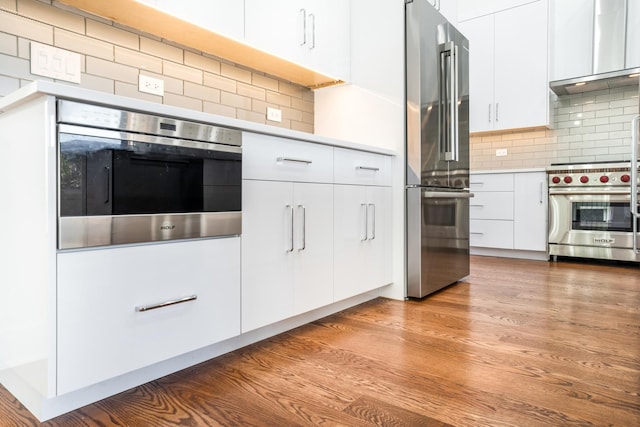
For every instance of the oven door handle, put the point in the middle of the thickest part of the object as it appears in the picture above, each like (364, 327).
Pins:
(447, 195)
(587, 193)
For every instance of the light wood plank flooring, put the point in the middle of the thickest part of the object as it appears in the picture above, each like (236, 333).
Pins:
(519, 343)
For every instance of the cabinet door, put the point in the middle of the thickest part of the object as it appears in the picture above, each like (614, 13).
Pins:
(633, 34)
(267, 252)
(468, 9)
(102, 332)
(222, 16)
(480, 32)
(521, 82)
(362, 244)
(530, 211)
(327, 44)
(571, 56)
(313, 246)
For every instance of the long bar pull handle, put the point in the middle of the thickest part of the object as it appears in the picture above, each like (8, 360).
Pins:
(303, 16)
(373, 221)
(313, 30)
(497, 112)
(304, 228)
(294, 160)
(367, 168)
(489, 113)
(108, 186)
(363, 207)
(143, 308)
(449, 96)
(290, 208)
(541, 187)
(634, 179)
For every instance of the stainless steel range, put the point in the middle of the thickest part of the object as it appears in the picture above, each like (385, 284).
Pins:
(589, 211)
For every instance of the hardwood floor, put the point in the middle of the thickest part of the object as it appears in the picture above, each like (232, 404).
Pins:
(520, 343)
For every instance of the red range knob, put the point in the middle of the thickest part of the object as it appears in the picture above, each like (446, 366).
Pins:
(625, 178)
(584, 179)
(555, 179)
(605, 179)
(567, 180)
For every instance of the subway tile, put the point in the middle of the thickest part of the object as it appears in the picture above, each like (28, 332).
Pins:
(25, 27)
(182, 72)
(202, 62)
(101, 68)
(301, 104)
(308, 118)
(204, 93)
(624, 118)
(596, 122)
(620, 134)
(218, 82)
(569, 138)
(292, 114)
(599, 151)
(308, 95)
(251, 116)
(236, 101)
(612, 96)
(610, 112)
(16, 67)
(631, 110)
(182, 101)
(582, 130)
(285, 124)
(219, 109)
(8, 44)
(570, 109)
(264, 82)
(580, 116)
(301, 126)
(610, 127)
(290, 89)
(113, 35)
(598, 106)
(101, 84)
(9, 5)
(138, 60)
(278, 99)
(51, 15)
(595, 136)
(8, 84)
(81, 44)
(251, 91)
(24, 48)
(235, 73)
(627, 102)
(161, 50)
(131, 91)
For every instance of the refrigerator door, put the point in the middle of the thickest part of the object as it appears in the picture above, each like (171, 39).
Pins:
(437, 99)
(437, 239)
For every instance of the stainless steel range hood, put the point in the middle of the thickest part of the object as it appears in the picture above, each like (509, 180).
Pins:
(609, 80)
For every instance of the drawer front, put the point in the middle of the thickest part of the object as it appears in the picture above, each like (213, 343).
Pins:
(101, 331)
(491, 233)
(361, 168)
(491, 205)
(279, 159)
(491, 182)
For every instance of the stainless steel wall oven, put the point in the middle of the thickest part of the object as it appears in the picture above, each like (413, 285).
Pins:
(131, 177)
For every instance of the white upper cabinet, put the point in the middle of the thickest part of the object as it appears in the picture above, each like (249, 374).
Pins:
(632, 59)
(508, 76)
(468, 9)
(571, 55)
(313, 33)
(222, 16)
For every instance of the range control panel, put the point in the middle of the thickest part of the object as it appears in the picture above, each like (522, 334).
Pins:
(596, 175)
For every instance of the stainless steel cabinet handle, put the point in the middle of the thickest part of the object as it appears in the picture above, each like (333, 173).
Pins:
(290, 208)
(373, 221)
(541, 188)
(475, 232)
(142, 308)
(363, 207)
(446, 195)
(587, 192)
(304, 228)
(313, 30)
(489, 113)
(291, 159)
(108, 186)
(303, 15)
(367, 168)
(476, 206)
(497, 112)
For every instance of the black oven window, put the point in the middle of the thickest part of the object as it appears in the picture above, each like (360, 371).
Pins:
(601, 216)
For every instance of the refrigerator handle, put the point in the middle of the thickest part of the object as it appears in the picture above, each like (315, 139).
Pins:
(449, 94)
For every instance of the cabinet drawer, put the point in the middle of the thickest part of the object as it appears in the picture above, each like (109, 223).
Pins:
(279, 159)
(360, 167)
(491, 205)
(101, 331)
(491, 182)
(491, 233)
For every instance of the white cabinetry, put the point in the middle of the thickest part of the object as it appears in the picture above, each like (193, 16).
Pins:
(287, 229)
(314, 33)
(468, 9)
(509, 212)
(221, 16)
(362, 219)
(571, 49)
(102, 328)
(632, 59)
(508, 68)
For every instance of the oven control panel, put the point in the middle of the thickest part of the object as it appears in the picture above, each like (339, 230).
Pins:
(591, 175)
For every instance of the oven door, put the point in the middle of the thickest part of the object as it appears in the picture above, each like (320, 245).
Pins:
(591, 219)
(118, 187)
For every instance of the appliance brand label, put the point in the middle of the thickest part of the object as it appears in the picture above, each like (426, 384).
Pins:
(603, 240)
(167, 226)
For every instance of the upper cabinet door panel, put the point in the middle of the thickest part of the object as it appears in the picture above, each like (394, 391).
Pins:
(468, 9)
(571, 56)
(327, 28)
(222, 16)
(522, 84)
(633, 34)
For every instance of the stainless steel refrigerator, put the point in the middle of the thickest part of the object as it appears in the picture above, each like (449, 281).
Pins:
(437, 170)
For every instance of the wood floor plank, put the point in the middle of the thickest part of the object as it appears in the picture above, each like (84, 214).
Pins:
(518, 343)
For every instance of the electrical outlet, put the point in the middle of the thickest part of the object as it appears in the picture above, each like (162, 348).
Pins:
(274, 114)
(56, 63)
(150, 85)
(501, 152)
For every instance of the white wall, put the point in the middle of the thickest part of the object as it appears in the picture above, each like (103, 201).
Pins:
(370, 110)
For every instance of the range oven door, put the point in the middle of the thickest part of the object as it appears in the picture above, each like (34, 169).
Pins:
(591, 219)
(119, 187)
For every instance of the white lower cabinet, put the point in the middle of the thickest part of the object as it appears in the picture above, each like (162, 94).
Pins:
(287, 265)
(530, 204)
(362, 254)
(102, 328)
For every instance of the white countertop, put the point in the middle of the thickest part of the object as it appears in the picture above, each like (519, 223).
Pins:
(523, 170)
(45, 88)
